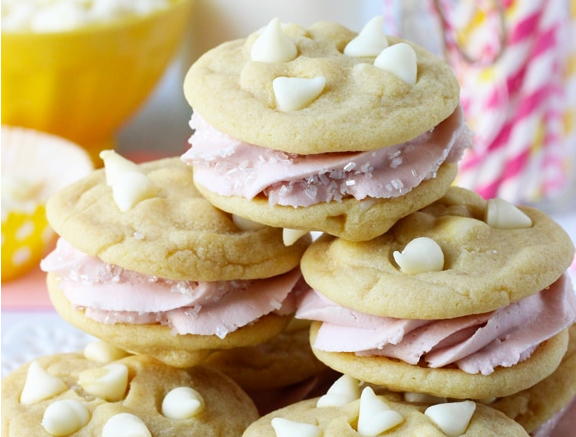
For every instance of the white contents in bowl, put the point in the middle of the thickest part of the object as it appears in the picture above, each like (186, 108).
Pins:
(44, 16)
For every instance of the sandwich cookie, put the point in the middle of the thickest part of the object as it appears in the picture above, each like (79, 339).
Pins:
(137, 396)
(538, 409)
(346, 413)
(323, 129)
(145, 263)
(463, 299)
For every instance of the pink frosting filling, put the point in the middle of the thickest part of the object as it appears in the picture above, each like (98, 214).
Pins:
(231, 167)
(476, 343)
(111, 295)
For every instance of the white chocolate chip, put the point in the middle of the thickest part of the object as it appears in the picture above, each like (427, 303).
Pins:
(288, 428)
(64, 417)
(246, 224)
(291, 236)
(182, 403)
(108, 382)
(422, 398)
(273, 45)
(125, 425)
(344, 390)
(129, 184)
(400, 60)
(131, 188)
(452, 418)
(421, 255)
(370, 41)
(103, 352)
(40, 385)
(115, 165)
(375, 416)
(501, 214)
(293, 93)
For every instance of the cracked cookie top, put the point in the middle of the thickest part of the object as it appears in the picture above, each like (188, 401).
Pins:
(175, 234)
(68, 394)
(352, 104)
(344, 421)
(483, 267)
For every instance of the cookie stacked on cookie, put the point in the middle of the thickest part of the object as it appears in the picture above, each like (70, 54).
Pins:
(418, 287)
(322, 129)
(145, 263)
(464, 299)
(421, 291)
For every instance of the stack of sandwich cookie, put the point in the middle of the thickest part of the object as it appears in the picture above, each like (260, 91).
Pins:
(136, 396)
(464, 299)
(344, 411)
(454, 312)
(145, 263)
(323, 129)
(460, 300)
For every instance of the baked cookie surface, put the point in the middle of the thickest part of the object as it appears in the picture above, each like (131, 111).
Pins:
(158, 341)
(282, 361)
(354, 220)
(448, 382)
(341, 421)
(227, 409)
(361, 107)
(176, 234)
(536, 405)
(485, 268)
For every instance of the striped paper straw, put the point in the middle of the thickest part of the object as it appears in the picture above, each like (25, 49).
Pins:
(518, 98)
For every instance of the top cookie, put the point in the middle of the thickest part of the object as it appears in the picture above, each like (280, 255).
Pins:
(485, 268)
(343, 421)
(361, 107)
(103, 394)
(176, 234)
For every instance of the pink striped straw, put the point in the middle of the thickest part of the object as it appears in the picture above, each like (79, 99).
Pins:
(516, 104)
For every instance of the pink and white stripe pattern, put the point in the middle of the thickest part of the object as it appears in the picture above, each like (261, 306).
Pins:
(519, 106)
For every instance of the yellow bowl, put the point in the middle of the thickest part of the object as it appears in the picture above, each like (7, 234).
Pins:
(83, 84)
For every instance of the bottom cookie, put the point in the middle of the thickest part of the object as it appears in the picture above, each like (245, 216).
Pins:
(539, 409)
(158, 341)
(351, 219)
(448, 382)
(126, 394)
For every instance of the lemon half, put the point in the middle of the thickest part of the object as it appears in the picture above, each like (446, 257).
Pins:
(34, 165)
